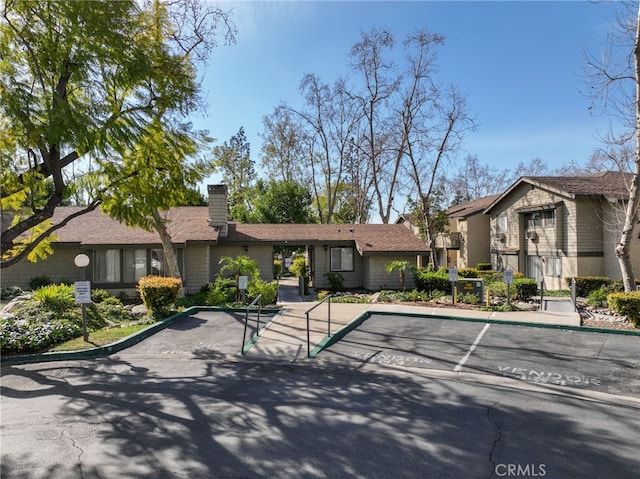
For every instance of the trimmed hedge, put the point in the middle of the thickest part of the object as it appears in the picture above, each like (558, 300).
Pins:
(626, 304)
(586, 284)
(525, 288)
(426, 280)
(159, 294)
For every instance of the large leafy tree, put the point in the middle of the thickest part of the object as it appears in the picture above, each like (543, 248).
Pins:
(82, 86)
(233, 161)
(283, 202)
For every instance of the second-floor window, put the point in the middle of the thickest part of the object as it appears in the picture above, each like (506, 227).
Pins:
(541, 219)
(501, 224)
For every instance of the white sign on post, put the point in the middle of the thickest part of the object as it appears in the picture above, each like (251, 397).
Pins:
(453, 274)
(82, 292)
(243, 282)
(508, 276)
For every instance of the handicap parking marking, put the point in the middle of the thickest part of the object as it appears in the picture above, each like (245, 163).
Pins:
(473, 346)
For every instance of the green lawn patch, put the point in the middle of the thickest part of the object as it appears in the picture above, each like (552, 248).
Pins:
(102, 337)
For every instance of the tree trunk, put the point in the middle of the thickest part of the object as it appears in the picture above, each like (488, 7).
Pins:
(170, 256)
(624, 246)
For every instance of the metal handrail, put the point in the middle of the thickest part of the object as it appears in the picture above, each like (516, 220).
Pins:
(246, 320)
(328, 299)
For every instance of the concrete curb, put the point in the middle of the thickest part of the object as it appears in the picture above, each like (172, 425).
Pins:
(124, 343)
(343, 331)
(327, 341)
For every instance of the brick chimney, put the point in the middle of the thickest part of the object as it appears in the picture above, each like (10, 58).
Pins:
(218, 208)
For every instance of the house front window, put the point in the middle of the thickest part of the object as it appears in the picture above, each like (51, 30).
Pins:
(341, 259)
(106, 267)
(127, 266)
(135, 265)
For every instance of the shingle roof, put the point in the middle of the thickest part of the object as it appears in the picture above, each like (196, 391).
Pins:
(367, 237)
(471, 207)
(613, 184)
(190, 223)
(610, 184)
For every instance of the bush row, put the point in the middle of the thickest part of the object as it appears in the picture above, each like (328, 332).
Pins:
(52, 317)
(626, 304)
(522, 288)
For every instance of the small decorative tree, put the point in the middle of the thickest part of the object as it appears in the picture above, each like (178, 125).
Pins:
(239, 266)
(402, 267)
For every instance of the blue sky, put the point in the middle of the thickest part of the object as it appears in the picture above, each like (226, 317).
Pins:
(521, 65)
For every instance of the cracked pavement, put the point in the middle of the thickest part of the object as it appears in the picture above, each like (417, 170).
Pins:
(182, 413)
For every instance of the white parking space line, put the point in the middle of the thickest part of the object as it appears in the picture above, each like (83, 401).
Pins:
(471, 349)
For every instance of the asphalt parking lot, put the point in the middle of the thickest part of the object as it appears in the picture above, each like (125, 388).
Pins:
(595, 361)
(400, 397)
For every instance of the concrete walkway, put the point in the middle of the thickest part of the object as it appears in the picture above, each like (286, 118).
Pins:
(285, 338)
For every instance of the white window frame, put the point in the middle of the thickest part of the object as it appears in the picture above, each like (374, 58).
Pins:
(553, 266)
(502, 224)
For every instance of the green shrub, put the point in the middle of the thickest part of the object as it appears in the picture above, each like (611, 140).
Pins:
(350, 298)
(19, 336)
(626, 304)
(223, 291)
(483, 266)
(56, 297)
(586, 284)
(268, 290)
(414, 296)
(299, 268)
(10, 292)
(426, 280)
(490, 276)
(277, 268)
(467, 273)
(525, 288)
(336, 280)
(99, 295)
(159, 293)
(468, 298)
(598, 297)
(38, 282)
(198, 299)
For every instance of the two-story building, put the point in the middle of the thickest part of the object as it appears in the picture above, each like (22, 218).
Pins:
(554, 228)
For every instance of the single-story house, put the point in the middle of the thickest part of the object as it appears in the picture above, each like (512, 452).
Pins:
(553, 228)
(201, 235)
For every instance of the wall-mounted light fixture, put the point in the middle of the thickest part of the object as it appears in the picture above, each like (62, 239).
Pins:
(246, 247)
(326, 247)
